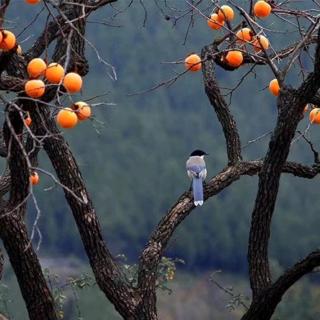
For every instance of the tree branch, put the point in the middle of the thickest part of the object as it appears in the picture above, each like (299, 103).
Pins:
(159, 239)
(13, 232)
(220, 106)
(1, 263)
(3, 8)
(12, 84)
(59, 24)
(109, 276)
(266, 303)
(5, 183)
(290, 104)
(26, 266)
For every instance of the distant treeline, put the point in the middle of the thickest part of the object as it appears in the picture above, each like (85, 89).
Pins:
(133, 154)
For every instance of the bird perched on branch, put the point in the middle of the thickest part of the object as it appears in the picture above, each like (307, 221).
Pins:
(196, 169)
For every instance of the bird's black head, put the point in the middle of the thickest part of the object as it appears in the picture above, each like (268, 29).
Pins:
(198, 153)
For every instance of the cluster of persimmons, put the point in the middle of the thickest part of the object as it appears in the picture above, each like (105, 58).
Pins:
(54, 74)
(41, 77)
(244, 37)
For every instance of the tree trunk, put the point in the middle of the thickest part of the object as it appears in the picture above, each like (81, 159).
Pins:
(36, 294)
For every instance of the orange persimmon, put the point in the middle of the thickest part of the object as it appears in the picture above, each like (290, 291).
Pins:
(28, 121)
(193, 62)
(234, 58)
(8, 40)
(214, 22)
(72, 82)
(36, 68)
(226, 13)
(244, 35)
(274, 87)
(82, 110)
(262, 9)
(34, 178)
(34, 88)
(314, 116)
(54, 72)
(260, 43)
(32, 1)
(66, 118)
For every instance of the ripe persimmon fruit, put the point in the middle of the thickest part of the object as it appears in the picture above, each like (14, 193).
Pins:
(32, 1)
(54, 73)
(234, 58)
(34, 178)
(72, 82)
(8, 40)
(274, 87)
(36, 68)
(34, 88)
(262, 9)
(260, 43)
(314, 116)
(66, 118)
(193, 62)
(214, 22)
(244, 35)
(226, 13)
(82, 110)
(27, 120)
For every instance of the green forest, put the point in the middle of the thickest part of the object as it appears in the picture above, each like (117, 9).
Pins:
(132, 155)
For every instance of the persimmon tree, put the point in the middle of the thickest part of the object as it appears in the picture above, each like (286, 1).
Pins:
(234, 46)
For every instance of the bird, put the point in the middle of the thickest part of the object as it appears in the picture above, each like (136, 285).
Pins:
(197, 172)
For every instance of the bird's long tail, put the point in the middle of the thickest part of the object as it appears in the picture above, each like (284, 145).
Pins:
(197, 188)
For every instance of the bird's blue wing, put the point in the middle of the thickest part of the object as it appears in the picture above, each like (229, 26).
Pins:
(197, 171)
(195, 168)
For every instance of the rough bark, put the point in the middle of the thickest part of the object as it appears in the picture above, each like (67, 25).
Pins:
(25, 263)
(109, 275)
(1, 263)
(266, 302)
(290, 105)
(159, 239)
(219, 104)
(269, 178)
(13, 232)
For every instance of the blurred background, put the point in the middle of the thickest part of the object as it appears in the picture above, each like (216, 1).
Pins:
(132, 156)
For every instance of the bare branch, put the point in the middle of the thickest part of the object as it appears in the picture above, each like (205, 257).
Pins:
(3, 8)
(58, 26)
(159, 239)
